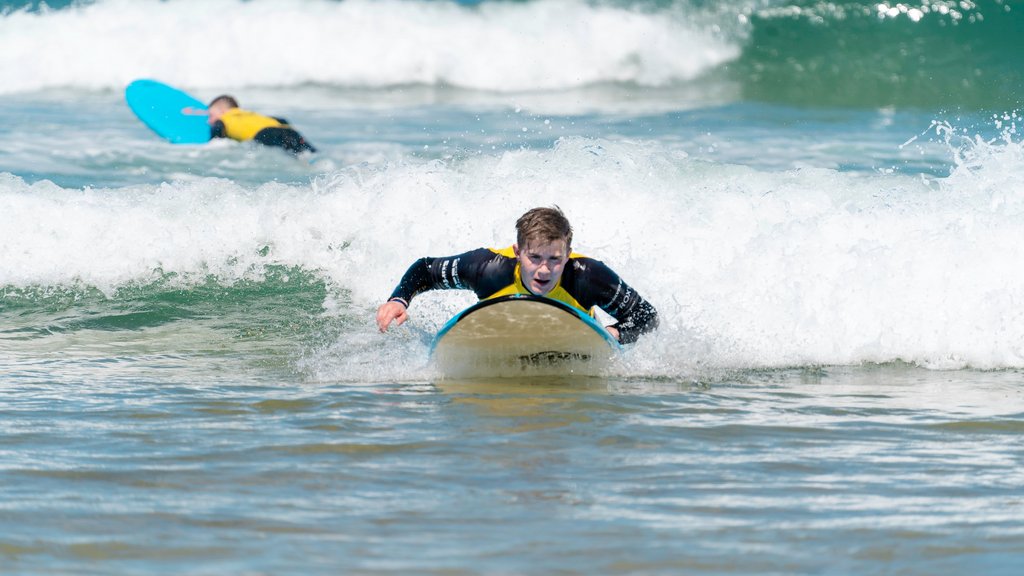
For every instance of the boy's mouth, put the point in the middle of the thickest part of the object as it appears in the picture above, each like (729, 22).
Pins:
(541, 283)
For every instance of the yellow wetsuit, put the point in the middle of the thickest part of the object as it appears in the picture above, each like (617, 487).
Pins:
(243, 125)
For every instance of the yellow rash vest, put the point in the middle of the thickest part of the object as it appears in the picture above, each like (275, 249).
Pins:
(243, 125)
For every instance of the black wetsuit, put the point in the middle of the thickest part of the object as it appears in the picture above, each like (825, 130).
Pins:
(585, 283)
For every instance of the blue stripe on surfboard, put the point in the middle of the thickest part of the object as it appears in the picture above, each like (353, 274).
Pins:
(583, 317)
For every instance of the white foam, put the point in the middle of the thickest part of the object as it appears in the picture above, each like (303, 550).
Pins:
(500, 46)
(748, 268)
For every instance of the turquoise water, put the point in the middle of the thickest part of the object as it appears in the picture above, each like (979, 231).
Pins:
(823, 200)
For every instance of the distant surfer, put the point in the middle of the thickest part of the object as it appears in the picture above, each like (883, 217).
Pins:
(227, 120)
(542, 263)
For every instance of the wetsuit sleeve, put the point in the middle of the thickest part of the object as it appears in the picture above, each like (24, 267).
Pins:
(217, 130)
(477, 270)
(285, 137)
(599, 285)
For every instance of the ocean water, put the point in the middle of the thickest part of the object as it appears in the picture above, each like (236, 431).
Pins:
(824, 200)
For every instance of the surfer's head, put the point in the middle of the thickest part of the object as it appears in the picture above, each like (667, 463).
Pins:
(543, 242)
(218, 106)
(544, 225)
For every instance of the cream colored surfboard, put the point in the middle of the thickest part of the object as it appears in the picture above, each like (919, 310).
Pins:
(521, 335)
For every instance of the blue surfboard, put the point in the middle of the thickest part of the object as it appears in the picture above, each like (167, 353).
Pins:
(169, 112)
(522, 335)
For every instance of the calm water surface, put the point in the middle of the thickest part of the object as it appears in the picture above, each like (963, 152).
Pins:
(844, 470)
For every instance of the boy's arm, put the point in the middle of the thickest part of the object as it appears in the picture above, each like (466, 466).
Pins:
(217, 130)
(608, 291)
(462, 271)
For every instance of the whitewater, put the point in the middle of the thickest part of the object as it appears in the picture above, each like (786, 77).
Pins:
(755, 269)
(492, 46)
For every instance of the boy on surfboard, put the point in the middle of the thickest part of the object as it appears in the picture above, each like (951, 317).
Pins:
(540, 263)
(227, 120)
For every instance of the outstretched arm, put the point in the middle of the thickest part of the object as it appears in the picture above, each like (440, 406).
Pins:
(463, 271)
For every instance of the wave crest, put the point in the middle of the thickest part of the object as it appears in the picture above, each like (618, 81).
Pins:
(495, 46)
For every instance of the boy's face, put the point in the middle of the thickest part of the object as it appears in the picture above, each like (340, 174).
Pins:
(215, 111)
(541, 264)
